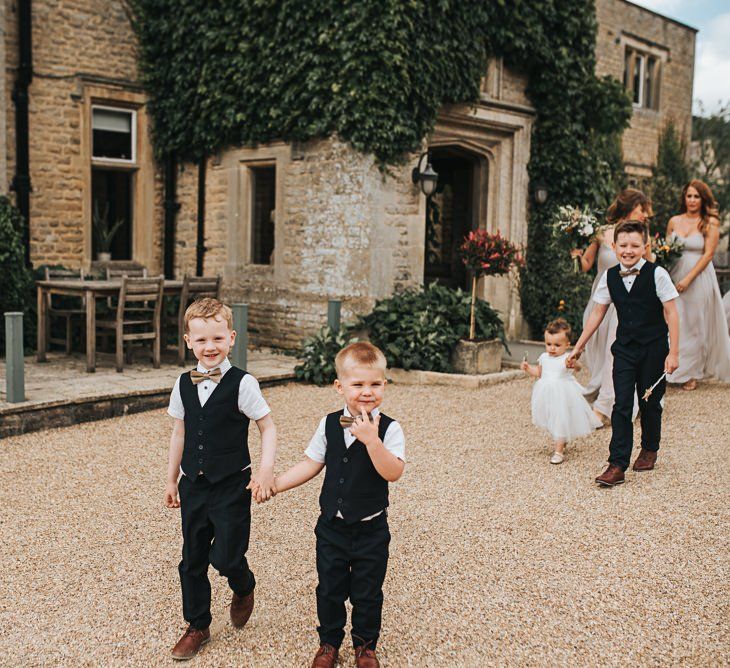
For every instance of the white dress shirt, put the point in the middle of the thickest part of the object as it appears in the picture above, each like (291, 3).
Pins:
(250, 400)
(665, 289)
(393, 440)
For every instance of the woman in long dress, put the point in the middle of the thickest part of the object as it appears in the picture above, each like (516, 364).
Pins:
(704, 343)
(630, 204)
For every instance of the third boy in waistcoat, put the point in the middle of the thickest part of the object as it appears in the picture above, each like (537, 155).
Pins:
(363, 450)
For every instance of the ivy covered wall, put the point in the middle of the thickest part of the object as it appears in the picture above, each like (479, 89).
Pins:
(376, 73)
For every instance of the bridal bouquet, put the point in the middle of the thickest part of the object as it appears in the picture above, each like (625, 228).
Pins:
(666, 251)
(577, 225)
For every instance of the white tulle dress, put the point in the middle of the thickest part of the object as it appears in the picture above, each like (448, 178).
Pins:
(704, 342)
(597, 355)
(558, 404)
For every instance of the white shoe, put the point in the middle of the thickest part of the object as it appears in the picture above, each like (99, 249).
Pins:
(557, 458)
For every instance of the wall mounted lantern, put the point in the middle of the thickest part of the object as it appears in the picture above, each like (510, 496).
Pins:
(540, 193)
(426, 178)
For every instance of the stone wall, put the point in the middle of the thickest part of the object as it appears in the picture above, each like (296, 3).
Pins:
(83, 52)
(344, 230)
(622, 23)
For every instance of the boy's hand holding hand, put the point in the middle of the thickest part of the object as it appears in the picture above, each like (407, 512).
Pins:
(262, 485)
(171, 497)
(364, 430)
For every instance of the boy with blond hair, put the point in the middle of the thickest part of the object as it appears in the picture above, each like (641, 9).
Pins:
(363, 450)
(211, 407)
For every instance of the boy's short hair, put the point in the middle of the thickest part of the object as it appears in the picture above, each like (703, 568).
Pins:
(363, 353)
(559, 325)
(207, 307)
(629, 226)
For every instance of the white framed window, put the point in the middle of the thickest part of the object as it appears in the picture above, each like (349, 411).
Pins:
(642, 78)
(114, 134)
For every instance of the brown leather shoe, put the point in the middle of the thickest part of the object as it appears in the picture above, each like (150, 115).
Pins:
(190, 643)
(326, 657)
(365, 657)
(645, 461)
(613, 475)
(241, 609)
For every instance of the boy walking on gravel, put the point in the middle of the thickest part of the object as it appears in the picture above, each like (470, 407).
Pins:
(363, 450)
(211, 407)
(646, 347)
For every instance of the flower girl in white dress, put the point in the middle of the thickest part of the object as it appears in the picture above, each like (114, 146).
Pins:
(558, 404)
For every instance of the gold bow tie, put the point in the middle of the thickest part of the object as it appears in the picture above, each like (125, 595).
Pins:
(198, 377)
(346, 421)
(629, 272)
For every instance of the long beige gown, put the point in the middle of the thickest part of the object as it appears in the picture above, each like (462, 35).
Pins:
(704, 342)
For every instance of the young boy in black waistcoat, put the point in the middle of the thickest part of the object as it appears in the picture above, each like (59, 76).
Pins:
(644, 297)
(362, 449)
(212, 406)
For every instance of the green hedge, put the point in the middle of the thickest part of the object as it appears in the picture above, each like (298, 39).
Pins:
(419, 328)
(17, 291)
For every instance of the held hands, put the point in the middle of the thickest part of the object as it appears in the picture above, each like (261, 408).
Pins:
(683, 285)
(572, 359)
(671, 363)
(172, 500)
(364, 430)
(262, 486)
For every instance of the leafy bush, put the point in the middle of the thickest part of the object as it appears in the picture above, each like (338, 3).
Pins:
(16, 293)
(419, 327)
(318, 354)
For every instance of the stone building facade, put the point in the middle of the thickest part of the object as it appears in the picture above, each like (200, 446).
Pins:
(654, 56)
(289, 226)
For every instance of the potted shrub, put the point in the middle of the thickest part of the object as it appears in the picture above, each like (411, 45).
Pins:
(104, 234)
(484, 254)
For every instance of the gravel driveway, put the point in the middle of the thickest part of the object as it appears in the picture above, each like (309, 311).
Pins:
(497, 558)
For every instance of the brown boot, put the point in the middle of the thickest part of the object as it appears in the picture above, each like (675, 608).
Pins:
(613, 475)
(645, 461)
(190, 643)
(241, 609)
(326, 657)
(365, 657)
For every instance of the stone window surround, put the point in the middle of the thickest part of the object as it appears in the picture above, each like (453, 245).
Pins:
(114, 95)
(646, 48)
(238, 164)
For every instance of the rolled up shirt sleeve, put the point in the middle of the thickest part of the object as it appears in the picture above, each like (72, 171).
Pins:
(665, 289)
(250, 400)
(395, 441)
(317, 447)
(175, 408)
(602, 295)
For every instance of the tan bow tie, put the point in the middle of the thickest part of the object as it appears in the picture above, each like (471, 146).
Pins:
(198, 377)
(346, 421)
(629, 272)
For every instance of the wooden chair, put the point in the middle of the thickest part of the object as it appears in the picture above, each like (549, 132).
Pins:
(137, 317)
(194, 287)
(68, 314)
(120, 272)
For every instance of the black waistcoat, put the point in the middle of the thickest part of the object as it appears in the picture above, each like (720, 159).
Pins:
(640, 311)
(351, 483)
(216, 435)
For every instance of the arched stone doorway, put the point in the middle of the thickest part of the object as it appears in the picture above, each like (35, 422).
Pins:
(452, 212)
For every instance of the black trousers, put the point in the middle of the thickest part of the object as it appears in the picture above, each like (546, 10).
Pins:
(216, 523)
(351, 563)
(636, 367)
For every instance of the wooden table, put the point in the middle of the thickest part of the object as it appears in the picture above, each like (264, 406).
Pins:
(89, 291)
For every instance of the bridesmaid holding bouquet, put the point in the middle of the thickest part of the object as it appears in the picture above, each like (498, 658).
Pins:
(630, 204)
(704, 343)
